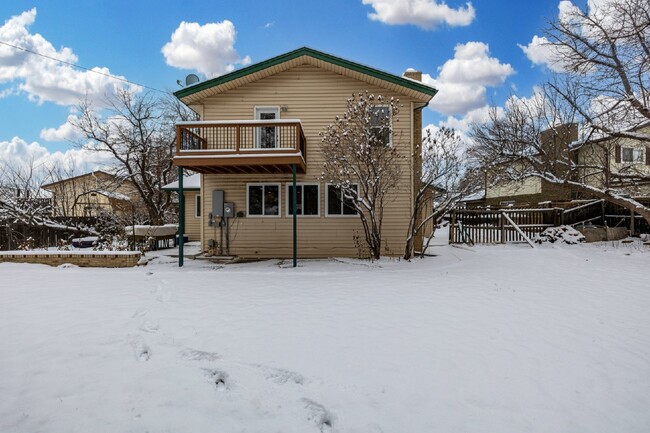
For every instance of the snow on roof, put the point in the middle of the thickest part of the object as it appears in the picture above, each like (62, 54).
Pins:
(189, 183)
(475, 196)
(114, 195)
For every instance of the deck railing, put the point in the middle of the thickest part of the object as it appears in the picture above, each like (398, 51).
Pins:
(240, 137)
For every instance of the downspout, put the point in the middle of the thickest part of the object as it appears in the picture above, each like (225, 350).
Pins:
(181, 217)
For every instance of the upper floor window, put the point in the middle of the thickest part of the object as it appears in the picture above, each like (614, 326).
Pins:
(631, 155)
(380, 125)
(267, 136)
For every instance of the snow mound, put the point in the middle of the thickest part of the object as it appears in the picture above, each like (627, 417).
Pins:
(565, 234)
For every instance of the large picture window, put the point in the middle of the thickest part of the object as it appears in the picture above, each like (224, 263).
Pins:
(263, 200)
(337, 204)
(307, 199)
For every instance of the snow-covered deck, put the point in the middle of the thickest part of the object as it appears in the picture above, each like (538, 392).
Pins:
(241, 146)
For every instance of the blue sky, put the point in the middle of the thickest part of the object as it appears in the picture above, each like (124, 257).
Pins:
(484, 38)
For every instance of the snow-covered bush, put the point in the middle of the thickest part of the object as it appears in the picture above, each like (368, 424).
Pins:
(64, 245)
(27, 244)
(565, 234)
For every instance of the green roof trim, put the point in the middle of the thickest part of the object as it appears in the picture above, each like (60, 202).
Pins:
(305, 51)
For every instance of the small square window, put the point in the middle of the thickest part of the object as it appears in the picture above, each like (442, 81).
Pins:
(264, 200)
(337, 204)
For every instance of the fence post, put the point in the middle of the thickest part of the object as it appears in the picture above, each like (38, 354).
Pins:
(502, 227)
(452, 228)
(632, 228)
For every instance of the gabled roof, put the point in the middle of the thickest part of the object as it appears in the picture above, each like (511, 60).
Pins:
(92, 173)
(294, 58)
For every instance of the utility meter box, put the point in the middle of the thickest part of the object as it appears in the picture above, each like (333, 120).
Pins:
(217, 203)
(229, 210)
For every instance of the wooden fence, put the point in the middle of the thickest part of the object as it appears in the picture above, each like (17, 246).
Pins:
(500, 226)
(481, 226)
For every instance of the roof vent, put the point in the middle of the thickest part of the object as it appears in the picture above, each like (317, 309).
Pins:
(191, 79)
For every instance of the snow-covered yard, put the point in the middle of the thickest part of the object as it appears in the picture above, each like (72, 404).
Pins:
(493, 339)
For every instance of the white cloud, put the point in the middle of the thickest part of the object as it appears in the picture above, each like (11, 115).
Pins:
(427, 14)
(17, 153)
(463, 124)
(208, 48)
(540, 52)
(44, 79)
(462, 81)
(65, 132)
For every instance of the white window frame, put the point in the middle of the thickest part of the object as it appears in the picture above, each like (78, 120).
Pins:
(197, 206)
(640, 151)
(327, 206)
(257, 110)
(390, 118)
(290, 198)
(248, 214)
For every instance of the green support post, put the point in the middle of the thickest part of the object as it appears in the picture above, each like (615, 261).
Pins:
(295, 205)
(181, 217)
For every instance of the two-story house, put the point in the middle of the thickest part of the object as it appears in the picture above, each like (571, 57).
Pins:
(88, 194)
(260, 123)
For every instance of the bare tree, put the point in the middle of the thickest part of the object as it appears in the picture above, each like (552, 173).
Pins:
(25, 208)
(139, 132)
(603, 54)
(536, 138)
(604, 51)
(445, 179)
(20, 192)
(362, 160)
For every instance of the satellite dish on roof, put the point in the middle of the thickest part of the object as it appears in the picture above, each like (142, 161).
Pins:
(191, 79)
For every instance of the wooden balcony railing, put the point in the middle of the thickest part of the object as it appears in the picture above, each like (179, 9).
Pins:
(245, 146)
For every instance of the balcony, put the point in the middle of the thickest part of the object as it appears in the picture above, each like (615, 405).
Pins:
(241, 146)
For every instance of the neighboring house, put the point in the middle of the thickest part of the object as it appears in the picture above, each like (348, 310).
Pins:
(88, 194)
(533, 190)
(192, 194)
(261, 121)
(615, 155)
(623, 156)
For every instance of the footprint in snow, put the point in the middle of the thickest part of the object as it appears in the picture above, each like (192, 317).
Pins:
(140, 312)
(218, 378)
(199, 355)
(141, 350)
(317, 413)
(148, 326)
(281, 376)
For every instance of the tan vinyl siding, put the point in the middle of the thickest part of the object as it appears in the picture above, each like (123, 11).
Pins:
(315, 96)
(192, 223)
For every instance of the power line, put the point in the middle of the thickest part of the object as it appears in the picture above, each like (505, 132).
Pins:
(79, 66)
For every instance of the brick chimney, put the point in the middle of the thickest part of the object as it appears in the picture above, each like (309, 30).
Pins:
(413, 74)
